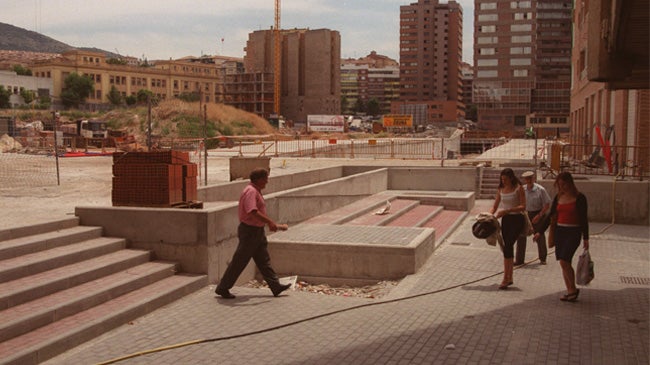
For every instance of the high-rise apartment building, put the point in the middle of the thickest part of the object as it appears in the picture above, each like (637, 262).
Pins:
(310, 69)
(522, 63)
(430, 59)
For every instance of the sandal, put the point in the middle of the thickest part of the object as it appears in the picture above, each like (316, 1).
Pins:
(505, 286)
(570, 297)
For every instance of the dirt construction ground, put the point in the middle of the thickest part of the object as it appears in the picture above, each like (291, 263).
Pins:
(35, 197)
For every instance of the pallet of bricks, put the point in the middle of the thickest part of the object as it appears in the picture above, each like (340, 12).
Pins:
(154, 179)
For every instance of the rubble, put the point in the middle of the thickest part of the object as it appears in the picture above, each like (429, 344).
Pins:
(8, 144)
(373, 291)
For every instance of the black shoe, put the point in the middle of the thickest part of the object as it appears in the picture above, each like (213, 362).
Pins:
(224, 293)
(279, 289)
(518, 263)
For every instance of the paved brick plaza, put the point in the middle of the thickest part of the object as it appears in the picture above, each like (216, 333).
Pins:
(460, 316)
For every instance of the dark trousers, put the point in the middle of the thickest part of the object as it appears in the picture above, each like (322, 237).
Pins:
(520, 257)
(252, 244)
(511, 227)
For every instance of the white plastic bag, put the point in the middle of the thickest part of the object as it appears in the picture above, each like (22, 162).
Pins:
(585, 269)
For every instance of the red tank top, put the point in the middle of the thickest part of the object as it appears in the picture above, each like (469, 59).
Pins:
(567, 214)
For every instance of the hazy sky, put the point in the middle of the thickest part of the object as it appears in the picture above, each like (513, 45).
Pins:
(163, 29)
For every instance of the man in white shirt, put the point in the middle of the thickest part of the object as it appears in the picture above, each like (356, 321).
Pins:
(538, 203)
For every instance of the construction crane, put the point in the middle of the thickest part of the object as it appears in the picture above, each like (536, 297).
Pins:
(277, 61)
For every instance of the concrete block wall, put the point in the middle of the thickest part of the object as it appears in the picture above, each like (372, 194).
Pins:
(203, 240)
(628, 202)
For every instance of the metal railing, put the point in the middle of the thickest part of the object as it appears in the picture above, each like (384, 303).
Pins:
(617, 160)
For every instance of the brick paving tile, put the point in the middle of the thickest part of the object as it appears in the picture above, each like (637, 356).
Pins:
(452, 300)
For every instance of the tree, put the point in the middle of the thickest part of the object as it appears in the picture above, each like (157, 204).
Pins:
(4, 97)
(116, 61)
(131, 100)
(189, 97)
(144, 95)
(76, 89)
(27, 95)
(470, 112)
(114, 96)
(373, 107)
(359, 106)
(20, 70)
(344, 103)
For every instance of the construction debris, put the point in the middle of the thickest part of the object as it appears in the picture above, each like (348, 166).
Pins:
(374, 291)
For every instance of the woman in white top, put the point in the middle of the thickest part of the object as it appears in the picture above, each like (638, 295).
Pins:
(509, 205)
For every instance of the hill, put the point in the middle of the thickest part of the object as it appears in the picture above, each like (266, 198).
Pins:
(20, 39)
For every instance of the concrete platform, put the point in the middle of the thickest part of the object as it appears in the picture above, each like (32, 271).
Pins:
(353, 245)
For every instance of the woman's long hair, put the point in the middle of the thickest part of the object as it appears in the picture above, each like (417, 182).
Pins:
(507, 172)
(567, 178)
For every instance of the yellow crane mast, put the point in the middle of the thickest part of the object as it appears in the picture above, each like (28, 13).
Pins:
(277, 60)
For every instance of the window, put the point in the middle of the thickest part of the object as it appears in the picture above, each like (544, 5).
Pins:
(488, 6)
(486, 51)
(487, 40)
(487, 73)
(519, 73)
(487, 62)
(519, 4)
(521, 27)
(488, 28)
(522, 16)
(521, 39)
(520, 62)
(488, 17)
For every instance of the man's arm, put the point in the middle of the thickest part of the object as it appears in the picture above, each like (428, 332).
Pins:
(272, 225)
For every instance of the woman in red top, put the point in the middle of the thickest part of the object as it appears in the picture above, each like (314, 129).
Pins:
(571, 224)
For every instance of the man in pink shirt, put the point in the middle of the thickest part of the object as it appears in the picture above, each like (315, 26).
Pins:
(252, 239)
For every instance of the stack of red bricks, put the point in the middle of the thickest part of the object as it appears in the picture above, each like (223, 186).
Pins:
(153, 179)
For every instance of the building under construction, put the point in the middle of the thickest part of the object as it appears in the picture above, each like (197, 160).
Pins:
(310, 70)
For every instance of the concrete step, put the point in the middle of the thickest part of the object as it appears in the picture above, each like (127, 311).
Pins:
(32, 287)
(53, 339)
(47, 240)
(17, 232)
(18, 267)
(351, 211)
(43, 311)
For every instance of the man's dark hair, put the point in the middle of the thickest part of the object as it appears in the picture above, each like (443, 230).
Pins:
(258, 174)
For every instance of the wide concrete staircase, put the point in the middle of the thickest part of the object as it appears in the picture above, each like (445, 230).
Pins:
(62, 284)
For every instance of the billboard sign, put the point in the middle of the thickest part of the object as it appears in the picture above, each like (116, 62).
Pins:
(325, 123)
(398, 120)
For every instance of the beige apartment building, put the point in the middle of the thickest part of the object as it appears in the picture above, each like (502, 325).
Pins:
(367, 78)
(618, 107)
(310, 69)
(165, 79)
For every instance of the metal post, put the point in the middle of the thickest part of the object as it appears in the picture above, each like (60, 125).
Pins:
(55, 122)
(205, 143)
(149, 123)
(442, 151)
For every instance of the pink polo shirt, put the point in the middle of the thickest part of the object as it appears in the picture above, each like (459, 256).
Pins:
(251, 199)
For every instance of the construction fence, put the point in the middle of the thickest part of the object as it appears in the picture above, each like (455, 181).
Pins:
(34, 163)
